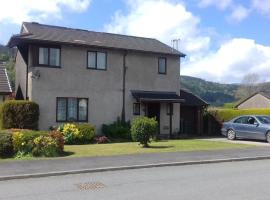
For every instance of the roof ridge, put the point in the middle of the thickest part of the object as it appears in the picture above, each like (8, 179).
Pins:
(78, 29)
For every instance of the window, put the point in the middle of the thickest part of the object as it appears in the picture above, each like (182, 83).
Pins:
(241, 120)
(96, 60)
(71, 109)
(136, 109)
(162, 65)
(169, 109)
(49, 56)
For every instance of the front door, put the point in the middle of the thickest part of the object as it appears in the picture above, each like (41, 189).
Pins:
(153, 110)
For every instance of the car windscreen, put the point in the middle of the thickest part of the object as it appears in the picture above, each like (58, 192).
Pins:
(264, 119)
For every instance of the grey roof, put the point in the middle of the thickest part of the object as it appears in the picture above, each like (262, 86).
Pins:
(191, 99)
(4, 82)
(48, 33)
(158, 96)
(265, 93)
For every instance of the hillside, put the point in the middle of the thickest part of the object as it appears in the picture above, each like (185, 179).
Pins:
(214, 93)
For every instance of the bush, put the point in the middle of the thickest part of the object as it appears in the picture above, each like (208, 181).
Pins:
(143, 129)
(117, 130)
(77, 133)
(45, 146)
(70, 133)
(58, 137)
(101, 140)
(23, 140)
(6, 147)
(86, 133)
(19, 114)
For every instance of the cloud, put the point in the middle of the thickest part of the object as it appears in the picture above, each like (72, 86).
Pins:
(14, 11)
(234, 59)
(239, 13)
(261, 6)
(220, 4)
(164, 20)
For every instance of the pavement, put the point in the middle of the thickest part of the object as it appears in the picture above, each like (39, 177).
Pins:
(242, 141)
(247, 180)
(63, 166)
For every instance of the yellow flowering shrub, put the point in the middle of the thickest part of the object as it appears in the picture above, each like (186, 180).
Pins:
(18, 141)
(45, 146)
(77, 133)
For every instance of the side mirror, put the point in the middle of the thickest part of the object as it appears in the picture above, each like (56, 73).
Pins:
(256, 124)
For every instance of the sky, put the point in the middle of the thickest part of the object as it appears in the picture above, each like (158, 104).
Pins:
(223, 39)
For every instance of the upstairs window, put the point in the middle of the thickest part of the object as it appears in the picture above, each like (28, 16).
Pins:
(97, 60)
(49, 56)
(136, 108)
(162, 65)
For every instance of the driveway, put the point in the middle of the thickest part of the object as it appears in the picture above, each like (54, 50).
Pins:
(242, 141)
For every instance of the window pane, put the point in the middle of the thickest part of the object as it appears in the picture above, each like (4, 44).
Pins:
(101, 60)
(91, 59)
(83, 109)
(43, 56)
(72, 109)
(54, 57)
(136, 108)
(61, 109)
(162, 65)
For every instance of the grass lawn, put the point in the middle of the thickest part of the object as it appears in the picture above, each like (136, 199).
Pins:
(114, 149)
(155, 147)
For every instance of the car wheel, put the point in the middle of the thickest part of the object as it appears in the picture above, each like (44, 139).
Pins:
(268, 136)
(231, 135)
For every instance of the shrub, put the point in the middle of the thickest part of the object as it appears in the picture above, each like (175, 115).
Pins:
(19, 114)
(6, 147)
(70, 133)
(118, 130)
(45, 146)
(86, 133)
(23, 140)
(77, 133)
(58, 137)
(101, 140)
(143, 129)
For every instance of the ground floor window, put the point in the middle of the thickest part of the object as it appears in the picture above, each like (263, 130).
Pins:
(136, 109)
(69, 109)
(169, 109)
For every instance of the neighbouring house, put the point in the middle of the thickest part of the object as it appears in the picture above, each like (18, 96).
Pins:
(257, 100)
(191, 114)
(84, 76)
(5, 88)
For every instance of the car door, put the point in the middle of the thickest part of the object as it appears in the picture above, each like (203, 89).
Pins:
(239, 126)
(253, 129)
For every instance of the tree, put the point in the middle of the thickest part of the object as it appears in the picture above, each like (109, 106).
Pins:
(250, 85)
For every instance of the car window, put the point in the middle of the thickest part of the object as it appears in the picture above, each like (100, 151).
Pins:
(241, 120)
(252, 120)
(264, 119)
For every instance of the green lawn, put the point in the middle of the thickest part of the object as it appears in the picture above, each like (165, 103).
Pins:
(155, 147)
(113, 149)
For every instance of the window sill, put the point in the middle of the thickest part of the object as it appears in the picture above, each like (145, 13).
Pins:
(48, 66)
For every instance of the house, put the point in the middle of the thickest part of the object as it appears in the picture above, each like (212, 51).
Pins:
(257, 100)
(84, 76)
(191, 114)
(5, 88)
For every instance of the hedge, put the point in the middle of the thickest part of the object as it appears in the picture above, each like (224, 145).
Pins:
(214, 118)
(223, 115)
(19, 114)
(6, 146)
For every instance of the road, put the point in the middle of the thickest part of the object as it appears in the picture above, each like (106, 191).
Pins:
(238, 180)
